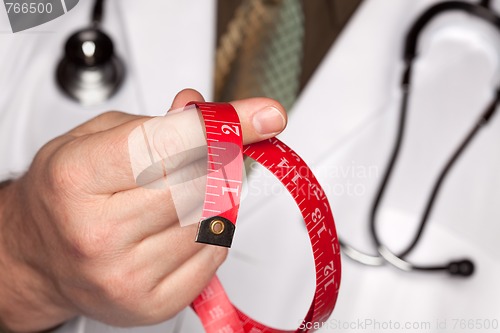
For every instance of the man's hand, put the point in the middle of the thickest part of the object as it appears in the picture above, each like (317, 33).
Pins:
(79, 236)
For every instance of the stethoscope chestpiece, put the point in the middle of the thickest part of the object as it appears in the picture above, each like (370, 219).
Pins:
(90, 72)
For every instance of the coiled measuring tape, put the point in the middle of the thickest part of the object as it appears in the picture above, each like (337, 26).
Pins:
(220, 210)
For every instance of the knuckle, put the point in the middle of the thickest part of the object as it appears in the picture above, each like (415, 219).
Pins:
(198, 188)
(60, 173)
(193, 180)
(116, 289)
(170, 146)
(89, 242)
(65, 168)
(122, 286)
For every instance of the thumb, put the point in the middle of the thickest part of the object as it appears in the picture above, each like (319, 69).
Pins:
(261, 118)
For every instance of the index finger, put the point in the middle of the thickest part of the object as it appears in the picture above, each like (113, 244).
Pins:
(107, 167)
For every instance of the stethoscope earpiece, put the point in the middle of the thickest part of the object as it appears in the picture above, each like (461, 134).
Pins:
(462, 268)
(90, 72)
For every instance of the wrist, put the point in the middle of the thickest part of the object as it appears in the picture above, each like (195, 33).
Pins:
(29, 301)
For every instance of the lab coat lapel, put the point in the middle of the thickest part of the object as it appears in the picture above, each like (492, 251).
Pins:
(355, 81)
(170, 51)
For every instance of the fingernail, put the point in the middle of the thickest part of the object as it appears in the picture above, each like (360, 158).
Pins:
(268, 120)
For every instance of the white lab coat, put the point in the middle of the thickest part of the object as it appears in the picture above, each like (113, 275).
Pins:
(343, 125)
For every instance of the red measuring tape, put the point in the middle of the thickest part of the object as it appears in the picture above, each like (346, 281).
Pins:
(220, 210)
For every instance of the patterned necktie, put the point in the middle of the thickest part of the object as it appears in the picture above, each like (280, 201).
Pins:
(261, 52)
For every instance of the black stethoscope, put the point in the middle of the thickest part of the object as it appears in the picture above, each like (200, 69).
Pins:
(90, 72)
(462, 267)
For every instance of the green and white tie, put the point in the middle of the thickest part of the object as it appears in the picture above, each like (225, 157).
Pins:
(261, 52)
